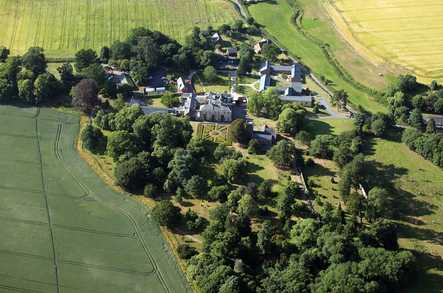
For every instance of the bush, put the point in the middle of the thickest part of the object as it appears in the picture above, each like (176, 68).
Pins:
(185, 251)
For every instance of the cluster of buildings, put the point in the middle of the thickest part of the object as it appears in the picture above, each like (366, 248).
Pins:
(208, 107)
(296, 91)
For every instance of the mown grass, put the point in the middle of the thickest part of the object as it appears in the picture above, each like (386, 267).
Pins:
(276, 17)
(64, 27)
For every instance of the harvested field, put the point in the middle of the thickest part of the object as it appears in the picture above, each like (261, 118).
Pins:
(402, 32)
(64, 27)
(63, 229)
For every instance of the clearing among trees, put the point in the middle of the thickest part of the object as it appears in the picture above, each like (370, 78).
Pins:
(63, 229)
(403, 32)
(64, 27)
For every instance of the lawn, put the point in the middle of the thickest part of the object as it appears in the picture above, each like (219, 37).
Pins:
(277, 20)
(64, 27)
(400, 32)
(334, 126)
(63, 228)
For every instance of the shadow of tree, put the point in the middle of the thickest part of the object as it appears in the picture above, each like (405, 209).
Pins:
(426, 280)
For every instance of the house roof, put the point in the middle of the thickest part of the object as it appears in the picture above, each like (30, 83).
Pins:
(300, 99)
(265, 81)
(214, 106)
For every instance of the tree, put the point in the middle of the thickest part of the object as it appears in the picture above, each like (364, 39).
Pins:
(291, 121)
(148, 52)
(266, 104)
(232, 169)
(264, 238)
(430, 126)
(105, 54)
(132, 173)
(46, 86)
(4, 53)
(93, 139)
(34, 59)
(96, 72)
(120, 50)
(166, 214)
(438, 106)
(240, 131)
(210, 74)
(247, 206)
(219, 193)
(126, 117)
(196, 186)
(85, 95)
(285, 155)
(379, 204)
(254, 146)
(84, 58)
(121, 142)
(416, 119)
(170, 100)
(304, 137)
(26, 90)
(321, 146)
(270, 52)
(185, 251)
(67, 77)
(378, 127)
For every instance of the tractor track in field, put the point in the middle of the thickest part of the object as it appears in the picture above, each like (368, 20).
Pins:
(93, 231)
(29, 222)
(107, 268)
(48, 212)
(88, 192)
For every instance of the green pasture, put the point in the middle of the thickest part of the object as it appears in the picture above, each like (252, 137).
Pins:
(63, 229)
(64, 27)
(276, 17)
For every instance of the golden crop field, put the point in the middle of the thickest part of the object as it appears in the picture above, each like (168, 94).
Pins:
(405, 32)
(62, 27)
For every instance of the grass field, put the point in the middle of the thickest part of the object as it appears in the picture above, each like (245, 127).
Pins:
(276, 17)
(63, 229)
(404, 32)
(64, 27)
